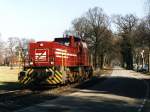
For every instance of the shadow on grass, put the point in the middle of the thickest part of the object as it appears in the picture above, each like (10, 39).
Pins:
(10, 86)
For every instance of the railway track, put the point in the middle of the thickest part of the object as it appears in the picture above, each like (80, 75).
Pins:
(14, 92)
(17, 99)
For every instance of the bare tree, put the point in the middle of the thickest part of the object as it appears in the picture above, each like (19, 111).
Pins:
(94, 24)
(1, 51)
(22, 50)
(147, 6)
(12, 43)
(142, 40)
(126, 26)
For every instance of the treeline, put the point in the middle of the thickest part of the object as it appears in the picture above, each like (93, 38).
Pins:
(107, 47)
(13, 51)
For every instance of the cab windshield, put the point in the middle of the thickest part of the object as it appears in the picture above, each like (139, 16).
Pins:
(64, 41)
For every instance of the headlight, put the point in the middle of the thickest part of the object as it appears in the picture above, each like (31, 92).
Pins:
(31, 63)
(41, 44)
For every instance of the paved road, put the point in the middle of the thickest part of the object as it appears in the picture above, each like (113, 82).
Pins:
(123, 91)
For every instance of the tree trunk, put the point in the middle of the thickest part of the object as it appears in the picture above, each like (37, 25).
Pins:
(101, 61)
(129, 59)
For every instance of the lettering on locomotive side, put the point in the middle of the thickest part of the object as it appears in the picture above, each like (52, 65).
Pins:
(63, 53)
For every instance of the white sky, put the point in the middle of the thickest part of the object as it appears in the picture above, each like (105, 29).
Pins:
(46, 19)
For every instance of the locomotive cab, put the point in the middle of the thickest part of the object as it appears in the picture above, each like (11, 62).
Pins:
(68, 41)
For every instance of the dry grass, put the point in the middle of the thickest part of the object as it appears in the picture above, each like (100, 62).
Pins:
(8, 75)
(148, 73)
(9, 78)
(104, 72)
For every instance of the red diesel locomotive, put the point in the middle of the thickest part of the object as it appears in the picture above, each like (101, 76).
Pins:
(61, 61)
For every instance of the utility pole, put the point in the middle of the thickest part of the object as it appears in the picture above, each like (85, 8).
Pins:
(142, 54)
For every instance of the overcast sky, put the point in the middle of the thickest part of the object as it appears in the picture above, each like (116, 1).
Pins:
(46, 19)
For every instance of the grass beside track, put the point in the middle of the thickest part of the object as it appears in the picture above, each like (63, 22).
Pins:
(9, 78)
(8, 75)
